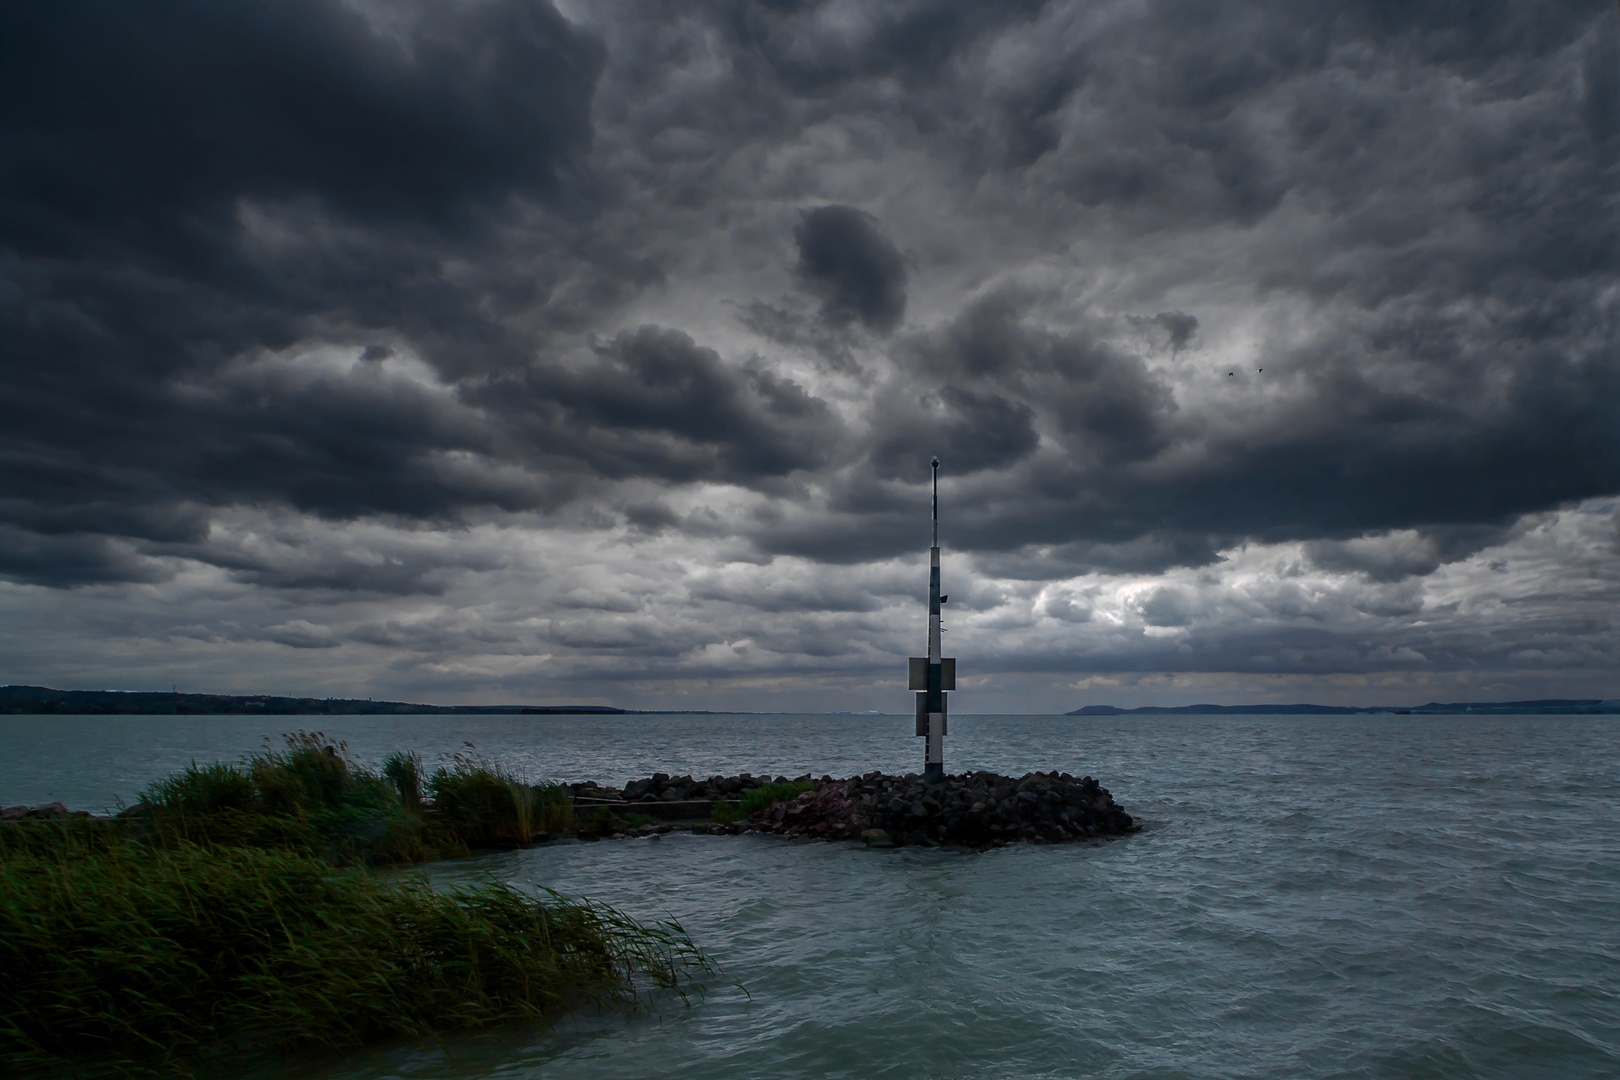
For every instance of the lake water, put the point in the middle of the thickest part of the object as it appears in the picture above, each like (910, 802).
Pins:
(1413, 897)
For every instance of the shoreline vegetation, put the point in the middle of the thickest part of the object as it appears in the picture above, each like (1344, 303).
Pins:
(229, 917)
(231, 913)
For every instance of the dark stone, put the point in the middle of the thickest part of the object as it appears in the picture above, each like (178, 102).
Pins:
(975, 810)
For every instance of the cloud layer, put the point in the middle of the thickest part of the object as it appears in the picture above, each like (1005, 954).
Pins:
(494, 349)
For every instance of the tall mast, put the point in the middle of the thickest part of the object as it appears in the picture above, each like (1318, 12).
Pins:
(934, 466)
(933, 675)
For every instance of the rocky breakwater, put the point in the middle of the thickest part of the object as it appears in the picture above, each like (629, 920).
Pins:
(976, 810)
(664, 788)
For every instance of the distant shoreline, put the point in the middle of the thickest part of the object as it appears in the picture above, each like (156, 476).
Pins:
(1545, 707)
(45, 701)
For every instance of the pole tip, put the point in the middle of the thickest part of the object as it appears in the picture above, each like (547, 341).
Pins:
(934, 464)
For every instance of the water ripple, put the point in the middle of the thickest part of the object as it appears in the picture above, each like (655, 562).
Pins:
(1369, 897)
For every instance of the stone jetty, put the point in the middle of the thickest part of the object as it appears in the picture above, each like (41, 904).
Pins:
(977, 810)
(972, 810)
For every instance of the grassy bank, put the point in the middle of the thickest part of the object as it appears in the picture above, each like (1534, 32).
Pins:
(311, 797)
(160, 961)
(234, 918)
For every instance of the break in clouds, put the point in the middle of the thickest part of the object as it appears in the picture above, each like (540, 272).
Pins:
(497, 351)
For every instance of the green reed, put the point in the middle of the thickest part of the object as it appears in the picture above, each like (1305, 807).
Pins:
(133, 959)
(308, 796)
(311, 797)
(483, 804)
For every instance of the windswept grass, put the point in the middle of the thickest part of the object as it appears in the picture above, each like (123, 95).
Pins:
(308, 797)
(121, 957)
(220, 924)
(311, 797)
(485, 805)
(403, 769)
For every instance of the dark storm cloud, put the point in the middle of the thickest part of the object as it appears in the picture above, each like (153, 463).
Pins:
(973, 391)
(1395, 556)
(188, 182)
(1459, 361)
(657, 404)
(272, 274)
(74, 560)
(914, 40)
(856, 270)
(1179, 326)
(832, 344)
(123, 121)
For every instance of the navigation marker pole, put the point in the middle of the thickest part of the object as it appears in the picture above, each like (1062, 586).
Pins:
(932, 675)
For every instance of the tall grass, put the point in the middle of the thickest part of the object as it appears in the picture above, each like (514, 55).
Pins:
(160, 961)
(486, 805)
(308, 796)
(220, 924)
(312, 797)
(403, 769)
(554, 810)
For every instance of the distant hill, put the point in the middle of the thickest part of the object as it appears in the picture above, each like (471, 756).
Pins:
(1548, 706)
(17, 700)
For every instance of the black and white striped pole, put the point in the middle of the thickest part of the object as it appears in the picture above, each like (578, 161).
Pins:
(932, 675)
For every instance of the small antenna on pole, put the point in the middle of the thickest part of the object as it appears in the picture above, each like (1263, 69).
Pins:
(934, 464)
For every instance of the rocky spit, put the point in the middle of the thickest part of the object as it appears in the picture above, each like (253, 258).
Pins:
(977, 810)
(973, 810)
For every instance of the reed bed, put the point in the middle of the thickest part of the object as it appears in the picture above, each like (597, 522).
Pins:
(310, 796)
(122, 958)
(233, 918)
(485, 805)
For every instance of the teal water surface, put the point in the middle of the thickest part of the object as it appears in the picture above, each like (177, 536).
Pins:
(1311, 897)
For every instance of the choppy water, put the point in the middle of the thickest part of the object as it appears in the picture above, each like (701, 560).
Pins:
(1312, 897)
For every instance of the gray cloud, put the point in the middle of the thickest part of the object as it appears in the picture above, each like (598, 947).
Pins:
(655, 403)
(332, 304)
(846, 259)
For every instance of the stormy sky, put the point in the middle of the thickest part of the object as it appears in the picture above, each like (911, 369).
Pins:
(491, 351)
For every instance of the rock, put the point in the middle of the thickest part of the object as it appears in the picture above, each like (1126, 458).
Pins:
(48, 810)
(877, 838)
(13, 813)
(139, 809)
(973, 810)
